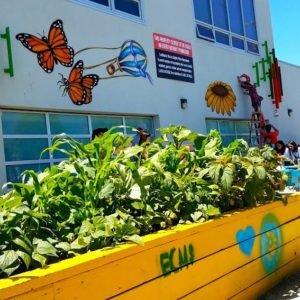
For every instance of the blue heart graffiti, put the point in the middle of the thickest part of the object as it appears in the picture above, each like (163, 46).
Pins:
(245, 239)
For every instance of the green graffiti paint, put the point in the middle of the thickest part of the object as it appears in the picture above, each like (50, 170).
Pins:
(266, 62)
(176, 259)
(271, 241)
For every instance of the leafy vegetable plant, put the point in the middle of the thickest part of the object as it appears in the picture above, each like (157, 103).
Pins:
(108, 192)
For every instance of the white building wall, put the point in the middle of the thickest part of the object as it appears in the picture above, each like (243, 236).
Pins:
(289, 125)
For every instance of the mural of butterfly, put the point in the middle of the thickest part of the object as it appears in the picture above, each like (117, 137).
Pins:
(79, 87)
(50, 50)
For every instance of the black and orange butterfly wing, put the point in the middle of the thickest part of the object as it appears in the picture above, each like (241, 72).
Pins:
(52, 50)
(58, 42)
(88, 83)
(39, 47)
(75, 89)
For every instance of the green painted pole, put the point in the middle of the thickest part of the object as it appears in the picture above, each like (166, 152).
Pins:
(6, 36)
(263, 64)
(256, 67)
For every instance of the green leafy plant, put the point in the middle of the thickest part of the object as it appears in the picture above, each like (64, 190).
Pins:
(108, 192)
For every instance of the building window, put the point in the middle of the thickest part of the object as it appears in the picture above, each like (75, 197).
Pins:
(231, 130)
(27, 134)
(129, 8)
(228, 22)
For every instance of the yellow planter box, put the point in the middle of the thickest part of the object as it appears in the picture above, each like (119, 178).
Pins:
(238, 256)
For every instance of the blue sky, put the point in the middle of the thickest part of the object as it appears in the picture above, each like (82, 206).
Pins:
(286, 29)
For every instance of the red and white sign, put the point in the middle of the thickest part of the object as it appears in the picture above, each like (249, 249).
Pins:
(169, 44)
(174, 58)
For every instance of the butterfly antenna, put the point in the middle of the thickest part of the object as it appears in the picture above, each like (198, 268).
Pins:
(61, 80)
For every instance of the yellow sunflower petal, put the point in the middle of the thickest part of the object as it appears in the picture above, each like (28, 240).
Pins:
(218, 105)
(230, 101)
(232, 95)
(223, 107)
(215, 102)
(210, 100)
(208, 95)
(226, 105)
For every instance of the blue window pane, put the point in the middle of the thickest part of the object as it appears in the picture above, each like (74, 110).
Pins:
(211, 124)
(252, 47)
(107, 122)
(144, 123)
(235, 15)
(242, 127)
(102, 2)
(205, 32)
(202, 11)
(220, 14)
(227, 127)
(128, 6)
(25, 149)
(23, 123)
(14, 172)
(238, 43)
(69, 124)
(222, 38)
(227, 139)
(249, 19)
(60, 155)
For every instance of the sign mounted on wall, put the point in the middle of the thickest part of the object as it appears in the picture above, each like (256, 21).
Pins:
(174, 58)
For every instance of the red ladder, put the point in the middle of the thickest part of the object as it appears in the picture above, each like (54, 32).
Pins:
(256, 126)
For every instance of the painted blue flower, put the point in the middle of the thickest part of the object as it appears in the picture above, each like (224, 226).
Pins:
(270, 243)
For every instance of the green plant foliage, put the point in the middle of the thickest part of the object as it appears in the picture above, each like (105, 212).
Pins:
(108, 192)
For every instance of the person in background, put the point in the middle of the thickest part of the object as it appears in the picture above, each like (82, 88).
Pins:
(98, 132)
(270, 136)
(144, 135)
(292, 152)
(280, 147)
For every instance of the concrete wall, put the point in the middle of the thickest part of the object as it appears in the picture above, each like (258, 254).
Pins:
(33, 88)
(289, 125)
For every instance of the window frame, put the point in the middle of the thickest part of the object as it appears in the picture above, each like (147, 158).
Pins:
(110, 9)
(49, 136)
(229, 32)
(236, 134)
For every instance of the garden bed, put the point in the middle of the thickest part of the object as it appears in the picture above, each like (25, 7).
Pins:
(237, 256)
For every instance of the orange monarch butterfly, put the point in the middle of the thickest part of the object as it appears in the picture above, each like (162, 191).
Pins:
(78, 87)
(49, 50)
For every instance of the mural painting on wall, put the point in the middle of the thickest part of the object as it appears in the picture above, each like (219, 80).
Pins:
(220, 98)
(268, 68)
(270, 243)
(130, 62)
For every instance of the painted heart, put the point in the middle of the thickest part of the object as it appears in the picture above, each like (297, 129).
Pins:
(245, 239)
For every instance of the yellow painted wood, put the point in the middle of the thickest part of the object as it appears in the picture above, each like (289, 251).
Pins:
(230, 285)
(263, 286)
(134, 272)
(207, 270)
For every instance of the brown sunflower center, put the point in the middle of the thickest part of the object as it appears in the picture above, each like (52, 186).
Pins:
(220, 90)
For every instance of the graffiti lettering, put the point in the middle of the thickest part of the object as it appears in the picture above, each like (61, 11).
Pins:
(177, 258)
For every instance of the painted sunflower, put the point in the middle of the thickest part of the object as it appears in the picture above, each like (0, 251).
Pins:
(220, 97)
